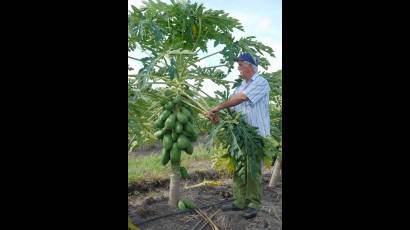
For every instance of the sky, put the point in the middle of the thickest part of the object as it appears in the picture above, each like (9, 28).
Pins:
(260, 18)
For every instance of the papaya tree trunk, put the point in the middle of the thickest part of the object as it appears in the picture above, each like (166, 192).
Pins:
(174, 185)
(275, 173)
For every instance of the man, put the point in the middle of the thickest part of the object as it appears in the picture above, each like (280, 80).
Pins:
(251, 99)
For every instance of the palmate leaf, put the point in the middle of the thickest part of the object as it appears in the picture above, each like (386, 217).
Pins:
(223, 95)
(244, 145)
(221, 160)
(213, 133)
(247, 44)
(186, 28)
(181, 52)
(160, 26)
(253, 145)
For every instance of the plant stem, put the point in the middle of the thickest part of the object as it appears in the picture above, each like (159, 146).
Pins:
(215, 66)
(209, 55)
(134, 58)
(197, 88)
(201, 107)
(165, 60)
(195, 107)
(174, 185)
(158, 83)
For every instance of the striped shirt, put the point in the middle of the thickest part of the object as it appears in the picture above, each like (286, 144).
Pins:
(256, 108)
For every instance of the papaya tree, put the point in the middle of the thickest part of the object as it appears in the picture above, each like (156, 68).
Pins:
(174, 38)
(275, 97)
(275, 82)
(138, 105)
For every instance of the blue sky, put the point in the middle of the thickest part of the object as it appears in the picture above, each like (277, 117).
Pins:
(260, 18)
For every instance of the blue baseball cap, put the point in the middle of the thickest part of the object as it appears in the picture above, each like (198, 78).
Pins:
(246, 57)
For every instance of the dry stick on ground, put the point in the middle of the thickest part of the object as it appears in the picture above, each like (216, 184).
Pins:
(210, 219)
(196, 225)
(189, 218)
(201, 215)
(206, 219)
(180, 212)
(200, 220)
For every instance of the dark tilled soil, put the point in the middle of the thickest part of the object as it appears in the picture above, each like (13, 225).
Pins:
(150, 201)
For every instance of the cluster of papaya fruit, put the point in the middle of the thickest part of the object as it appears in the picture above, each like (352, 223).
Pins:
(175, 129)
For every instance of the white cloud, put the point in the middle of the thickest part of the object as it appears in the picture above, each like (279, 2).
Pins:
(276, 62)
(247, 21)
(256, 25)
(262, 27)
(264, 24)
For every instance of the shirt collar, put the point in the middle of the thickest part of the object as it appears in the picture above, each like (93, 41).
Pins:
(252, 78)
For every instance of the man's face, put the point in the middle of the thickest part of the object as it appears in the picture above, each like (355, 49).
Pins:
(244, 68)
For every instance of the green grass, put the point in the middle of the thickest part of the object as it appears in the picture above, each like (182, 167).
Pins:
(149, 167)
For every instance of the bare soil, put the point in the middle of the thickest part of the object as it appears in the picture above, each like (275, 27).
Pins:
(148, 200)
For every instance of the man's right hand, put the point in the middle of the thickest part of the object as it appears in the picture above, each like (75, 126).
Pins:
(212, 116)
